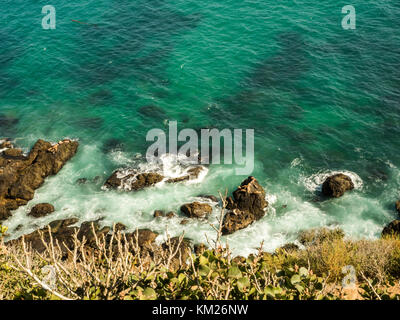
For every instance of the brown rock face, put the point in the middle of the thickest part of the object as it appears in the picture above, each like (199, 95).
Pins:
(392, 228)
(248, 205)
(41, 210)
(132, 181)
(336, 185)
(196, 209)
(21, 175)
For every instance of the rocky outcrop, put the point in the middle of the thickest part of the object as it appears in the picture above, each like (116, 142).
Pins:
(247, 205)
(191, 174)
(41, 210)
(336, 185)
(392, 229)
(21, 175)
(132, 181)
(196, 209)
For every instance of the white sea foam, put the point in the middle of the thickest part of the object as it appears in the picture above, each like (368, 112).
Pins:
(315, 181)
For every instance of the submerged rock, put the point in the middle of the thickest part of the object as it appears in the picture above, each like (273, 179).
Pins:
(21, 175)
(392, 229)
(247, 205)
(196, 209)
(41, 210)
(132, 181)
(337, 185)
(192, 174)
(153, 112)
(398, 206)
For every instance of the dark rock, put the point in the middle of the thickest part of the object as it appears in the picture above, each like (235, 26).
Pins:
(41, 210)
(192, 173)
(60, 232)
(183, 249)
(199, 248)
(142, 237)
(184, 221)
(196, 209)
(90, 230)
(170, 214)
(235, 220)
(158, 213)
(119, 227)
(248, 205)
(392, 229)
(4, 213)
(21, 176)
(58, 225)
(336, 185)
(398, 206)
(132, 181)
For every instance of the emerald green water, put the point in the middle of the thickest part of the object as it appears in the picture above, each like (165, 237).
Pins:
(319, 98)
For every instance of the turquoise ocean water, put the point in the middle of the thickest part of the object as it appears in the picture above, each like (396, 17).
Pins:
(320, 99)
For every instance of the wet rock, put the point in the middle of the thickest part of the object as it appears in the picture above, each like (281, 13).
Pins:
(90, 230)
(119, 227)
(184, 221)
(392, 229)
(398, 206)
(196, 209)
(60, 232)
(192, 174)
(247, 205)
(5, 143)
(41, 210)
(158, 213)
(21, 176)
(131, 181)
(170, 214)
(336, 185)
(12, 153)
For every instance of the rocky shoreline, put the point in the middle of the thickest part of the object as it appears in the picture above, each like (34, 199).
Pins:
(21, 175)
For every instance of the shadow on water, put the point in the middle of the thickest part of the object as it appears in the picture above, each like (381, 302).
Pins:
(131, 40)
(10, 49)
(279, 72)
